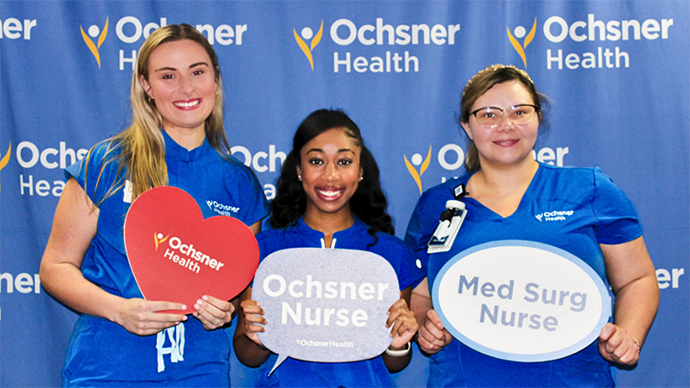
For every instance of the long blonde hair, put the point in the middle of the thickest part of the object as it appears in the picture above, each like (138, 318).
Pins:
(142, 147)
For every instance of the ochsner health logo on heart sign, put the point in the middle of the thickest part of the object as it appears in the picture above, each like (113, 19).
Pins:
(176, 255)
(189, 257)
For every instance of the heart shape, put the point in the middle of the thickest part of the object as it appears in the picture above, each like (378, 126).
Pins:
(177, 256)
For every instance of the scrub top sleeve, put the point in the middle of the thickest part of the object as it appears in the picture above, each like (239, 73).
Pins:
(617, 220)
(410, 267)
(255, 204)
(87, 172)
(419, 229)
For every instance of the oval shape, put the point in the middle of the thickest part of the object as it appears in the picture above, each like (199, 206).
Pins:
(521, 300)
(325, 304)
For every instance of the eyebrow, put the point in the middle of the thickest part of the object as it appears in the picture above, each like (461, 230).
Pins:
(174, 69)
(339, 151)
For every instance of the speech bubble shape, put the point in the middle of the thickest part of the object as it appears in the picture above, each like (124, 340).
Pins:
(521, 300)
(177, 256)
(326, 305)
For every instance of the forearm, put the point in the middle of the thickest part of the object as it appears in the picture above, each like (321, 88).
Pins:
(396, 364)
(635, 307)
(67, 284)
(420, 301)
(249, 352)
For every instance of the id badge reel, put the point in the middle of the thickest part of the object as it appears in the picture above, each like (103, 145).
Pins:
(449, 223)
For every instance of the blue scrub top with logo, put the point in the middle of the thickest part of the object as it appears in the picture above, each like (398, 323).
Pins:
(103, 353)
(367, 373)
(574, 209)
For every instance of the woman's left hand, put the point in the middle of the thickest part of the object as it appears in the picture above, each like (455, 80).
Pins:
(403, 322)
(618, 346)
(213, 312)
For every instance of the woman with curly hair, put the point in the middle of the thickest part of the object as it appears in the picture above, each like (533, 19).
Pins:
(329, 195)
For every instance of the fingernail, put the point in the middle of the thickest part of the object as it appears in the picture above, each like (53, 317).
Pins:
(204, 297)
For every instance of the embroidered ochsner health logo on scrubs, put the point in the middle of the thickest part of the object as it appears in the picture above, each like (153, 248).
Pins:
(556, 215)
(519, 33)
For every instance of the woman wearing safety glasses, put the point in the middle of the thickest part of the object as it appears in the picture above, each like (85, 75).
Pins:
(504, 189)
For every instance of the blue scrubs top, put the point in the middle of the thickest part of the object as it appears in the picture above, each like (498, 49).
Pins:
(367, 373)
(103, 353)
(574, 209)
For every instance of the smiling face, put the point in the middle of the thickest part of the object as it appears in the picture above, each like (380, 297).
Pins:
(508, 144)
(330, 171)
(181, 81)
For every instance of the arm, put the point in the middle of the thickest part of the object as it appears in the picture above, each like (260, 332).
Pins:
(248, 347)
(432, 336)
(633, 280)
(404, 327)
(215, 313)
(74, 226)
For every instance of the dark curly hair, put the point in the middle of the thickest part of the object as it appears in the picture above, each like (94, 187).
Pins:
(368, 203)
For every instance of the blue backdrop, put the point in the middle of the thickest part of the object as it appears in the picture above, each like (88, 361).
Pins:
(616, 72)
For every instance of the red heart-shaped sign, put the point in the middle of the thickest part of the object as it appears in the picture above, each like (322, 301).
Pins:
(177, 256)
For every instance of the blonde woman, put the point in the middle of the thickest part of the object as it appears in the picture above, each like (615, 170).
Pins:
(176, 138)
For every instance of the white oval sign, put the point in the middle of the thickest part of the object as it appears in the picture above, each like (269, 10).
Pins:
(521, 301)
(325, 305)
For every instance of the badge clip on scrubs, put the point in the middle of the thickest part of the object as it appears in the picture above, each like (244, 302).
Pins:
(449, 222)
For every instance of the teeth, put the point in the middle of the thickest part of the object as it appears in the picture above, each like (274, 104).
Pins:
(187, 104)
(329, 193)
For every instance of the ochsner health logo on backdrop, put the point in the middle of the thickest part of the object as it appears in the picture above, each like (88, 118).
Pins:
(606, 40)
(5, 159)
(395, 44)
(521, 32)
(97, 34)
(130, 32)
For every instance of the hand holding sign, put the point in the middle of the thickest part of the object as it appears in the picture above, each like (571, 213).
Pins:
(617, 345)
(403, 324)
(433, 336)
(328, 305)
(178, 256)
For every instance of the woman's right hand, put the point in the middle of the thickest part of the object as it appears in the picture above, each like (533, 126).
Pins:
(141, 317)
(432, 335)
(253, 320)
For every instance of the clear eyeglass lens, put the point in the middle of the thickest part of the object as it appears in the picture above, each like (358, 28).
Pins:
(490, 117)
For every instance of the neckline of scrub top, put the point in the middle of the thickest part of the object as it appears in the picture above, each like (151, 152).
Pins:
(177, 152)
(527, 197)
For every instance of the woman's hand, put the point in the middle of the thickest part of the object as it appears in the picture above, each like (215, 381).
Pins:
(141, 317)
(213, 313)
(432, 334)
(633, 281)
(404, 325)
(253, 320)
(248, 347)
(618, 346)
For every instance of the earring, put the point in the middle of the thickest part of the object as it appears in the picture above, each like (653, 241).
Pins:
(299, 177)
(361, 178)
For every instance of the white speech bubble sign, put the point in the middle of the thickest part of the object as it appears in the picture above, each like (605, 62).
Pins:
(325, 305)
(521, 300)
